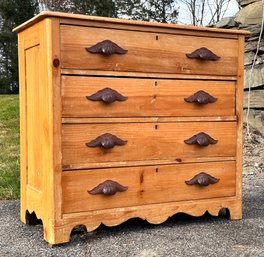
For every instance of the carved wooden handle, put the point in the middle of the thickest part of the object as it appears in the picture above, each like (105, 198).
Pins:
(107, 95)
(108, 187)
(106, 47)
(203, 54)
(201, 139)
(202, 179)
(200, 97)
(106, 141)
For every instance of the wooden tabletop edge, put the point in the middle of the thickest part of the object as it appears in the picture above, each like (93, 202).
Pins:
(46, 14)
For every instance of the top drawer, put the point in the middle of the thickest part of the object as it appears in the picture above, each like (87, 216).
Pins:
(146, 52)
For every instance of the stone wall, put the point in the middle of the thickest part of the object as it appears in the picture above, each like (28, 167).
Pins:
(250, 18)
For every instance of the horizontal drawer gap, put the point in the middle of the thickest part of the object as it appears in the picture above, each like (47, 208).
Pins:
(111, 165)
(146, 119)
(143, 75)
(161, 31)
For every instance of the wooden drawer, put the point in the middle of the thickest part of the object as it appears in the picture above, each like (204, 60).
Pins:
(147, 52)
(145, 141)
(145, 97)
(146, 185)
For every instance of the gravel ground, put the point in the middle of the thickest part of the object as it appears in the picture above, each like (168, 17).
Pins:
(181, 235)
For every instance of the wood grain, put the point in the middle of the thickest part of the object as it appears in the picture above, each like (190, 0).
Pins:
(80, 18)
(146, 185)
(148, 119)
(133, 27)
(145, 142)
(56, 122)
(145, 97)
(171, 160)
(34, 109)
(23, 126)
(135, 74)
(145, 53)
(239, 113)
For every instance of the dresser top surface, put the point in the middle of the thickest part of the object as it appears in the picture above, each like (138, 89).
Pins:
(47, 14)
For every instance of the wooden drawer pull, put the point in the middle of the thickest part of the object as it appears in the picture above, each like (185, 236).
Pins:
(200, 97)
(107, 95)
(201, 139)
(106, 141)
(108, 187)
(106, 47)
(202, 179)
(203, 54)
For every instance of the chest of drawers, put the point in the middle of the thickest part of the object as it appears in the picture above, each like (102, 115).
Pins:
(123, 119)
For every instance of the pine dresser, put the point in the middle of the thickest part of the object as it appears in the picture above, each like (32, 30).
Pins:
(123, 119)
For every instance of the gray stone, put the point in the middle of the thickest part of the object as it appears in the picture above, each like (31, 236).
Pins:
(226, 22)
(257, 78)
(253, 39)
(255, 119)
(249, 58)
(256, 99)
(246, 2)
(254, 29)
(252, 46)
(251, 14)
(260, 59)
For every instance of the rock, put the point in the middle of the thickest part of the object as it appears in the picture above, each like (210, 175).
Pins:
(252, 46)
(255, 119)
(253, 39)
(260, 59)
(256, 99)
(257, 78)
(251, 14)
(226, 22)
(246, 2)
(249, 57)
(254, 29)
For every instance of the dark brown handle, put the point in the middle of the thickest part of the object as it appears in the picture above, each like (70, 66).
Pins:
(200, 97)
(203, 54)
(108, 187)
(107, 95)
(202, 179)
(106, 47)
(201, 139)
(106, 141)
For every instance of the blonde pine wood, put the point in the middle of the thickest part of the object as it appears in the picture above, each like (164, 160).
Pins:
(171, 160)
(142, 142)
(145, 52)
(147, 119)
(146, 75)
(239, 112)
(78, 18)
(146, 185)
(36, 124)
(168, 30)
(55, 122)
(145, 97)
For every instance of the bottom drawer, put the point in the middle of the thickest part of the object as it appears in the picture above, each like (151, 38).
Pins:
(146, 185)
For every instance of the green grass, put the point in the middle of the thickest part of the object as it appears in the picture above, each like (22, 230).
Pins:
(9, 147)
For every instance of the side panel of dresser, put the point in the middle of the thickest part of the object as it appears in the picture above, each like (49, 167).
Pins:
(237, 212)
(40, 130)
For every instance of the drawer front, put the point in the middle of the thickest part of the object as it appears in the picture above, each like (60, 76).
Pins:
(146, 185)
(143, 141)
(144, 97)
(146, 52)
